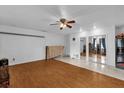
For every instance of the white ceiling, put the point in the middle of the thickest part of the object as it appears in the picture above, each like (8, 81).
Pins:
(38, 17)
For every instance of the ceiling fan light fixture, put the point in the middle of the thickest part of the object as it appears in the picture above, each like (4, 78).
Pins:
(63, 25)
(61, 28)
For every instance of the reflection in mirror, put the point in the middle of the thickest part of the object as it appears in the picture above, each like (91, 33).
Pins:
(97, 49)
(83, 48)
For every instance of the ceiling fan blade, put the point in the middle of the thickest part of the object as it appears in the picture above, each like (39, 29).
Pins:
(68, 26)
(71, 21)
(54, 24)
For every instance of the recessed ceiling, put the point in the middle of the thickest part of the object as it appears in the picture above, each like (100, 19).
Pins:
(38, 17)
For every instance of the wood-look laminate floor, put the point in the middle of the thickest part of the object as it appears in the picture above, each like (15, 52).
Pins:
(56, 74)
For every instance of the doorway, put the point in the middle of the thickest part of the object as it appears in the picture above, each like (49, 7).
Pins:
(83, 48)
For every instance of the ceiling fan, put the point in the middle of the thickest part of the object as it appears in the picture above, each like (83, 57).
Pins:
(64, 23)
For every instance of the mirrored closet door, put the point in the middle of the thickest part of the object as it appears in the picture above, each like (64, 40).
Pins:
(97, 49)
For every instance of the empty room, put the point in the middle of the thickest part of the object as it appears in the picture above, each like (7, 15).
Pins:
(61, 46)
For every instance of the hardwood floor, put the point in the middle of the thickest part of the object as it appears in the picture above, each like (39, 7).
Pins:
(56, 74)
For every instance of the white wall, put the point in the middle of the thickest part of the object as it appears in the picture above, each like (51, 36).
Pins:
(67, 45)
(26, 49)
(75, 46)
(110, 42)
(21, 48)
(105, 22)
